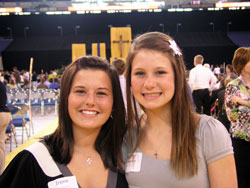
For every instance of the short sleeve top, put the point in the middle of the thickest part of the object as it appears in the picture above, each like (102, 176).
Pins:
(238, 115)
(213, 143)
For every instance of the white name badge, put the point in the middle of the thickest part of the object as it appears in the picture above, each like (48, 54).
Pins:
(65, 182)
(134, 163)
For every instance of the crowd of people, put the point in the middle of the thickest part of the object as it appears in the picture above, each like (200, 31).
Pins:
(21, 79)
(144, 123)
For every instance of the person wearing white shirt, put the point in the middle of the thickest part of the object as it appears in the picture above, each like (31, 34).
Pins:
(201, 79)
(217, 70)
(120, 67)
(26, 75)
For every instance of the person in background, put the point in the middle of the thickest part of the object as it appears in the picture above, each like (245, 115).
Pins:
(34, 78)
(230, 72)
(237, 101)
(120, 67)
(12, 84)
(207, 65)
(4, 121)
(220, 86)
(221, 113)
(26, 84)
(217, 70)
(26, 75)
(85, 149)
(51, 75)
(1, 76)
(47, 82)
(222, 69)
(7, 76)
(170, 145)
(17, 75)
(42, 85)
(201, 81)
(54, 84)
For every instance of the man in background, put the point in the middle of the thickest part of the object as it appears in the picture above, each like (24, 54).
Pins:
(201, 80)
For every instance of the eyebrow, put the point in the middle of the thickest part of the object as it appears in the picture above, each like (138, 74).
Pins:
(99, 88)
(156, 68)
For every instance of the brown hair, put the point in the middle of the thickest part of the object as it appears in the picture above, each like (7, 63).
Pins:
(240, 59)
(183, 153)
(119, 65)
(109, 141)
(230, 67)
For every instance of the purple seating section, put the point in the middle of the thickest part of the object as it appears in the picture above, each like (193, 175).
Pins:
(4, 43)
(240, 38)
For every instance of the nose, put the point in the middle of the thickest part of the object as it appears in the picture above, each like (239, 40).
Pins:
(149, 82)
(90, 100)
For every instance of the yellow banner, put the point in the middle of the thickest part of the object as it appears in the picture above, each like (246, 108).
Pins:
(121, 39)
(78, 50)
(99, 49)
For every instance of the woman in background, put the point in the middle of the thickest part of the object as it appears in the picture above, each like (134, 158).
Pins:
(237, 101)
(230, 74)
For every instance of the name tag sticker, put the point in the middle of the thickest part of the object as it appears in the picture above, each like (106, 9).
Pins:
(65, 182)
(134, 163)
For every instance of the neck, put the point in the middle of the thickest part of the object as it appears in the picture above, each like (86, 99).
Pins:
(159, 120)
(85, 139)
(246, 78)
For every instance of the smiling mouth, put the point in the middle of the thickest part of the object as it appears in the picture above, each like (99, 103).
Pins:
(151, 94)
(87, 112)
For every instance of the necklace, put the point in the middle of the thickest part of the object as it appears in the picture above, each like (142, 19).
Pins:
(156, 154)
(145, 133)
(89, 160)
(156, 150)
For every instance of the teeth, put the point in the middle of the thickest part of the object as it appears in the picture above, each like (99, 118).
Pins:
(151, 95)
(89, 112)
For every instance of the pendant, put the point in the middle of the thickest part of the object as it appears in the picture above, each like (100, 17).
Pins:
(156, 155)
(89, 161)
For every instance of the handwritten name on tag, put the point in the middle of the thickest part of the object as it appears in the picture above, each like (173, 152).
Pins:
(134, 163)
(65, 182)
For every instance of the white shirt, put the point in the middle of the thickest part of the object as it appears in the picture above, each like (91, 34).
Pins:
(217, 70)
(27, 75)
(201, 77)
(124, 94)
(123, 88)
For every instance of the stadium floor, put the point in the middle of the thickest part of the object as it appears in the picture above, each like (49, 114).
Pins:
(43, 125)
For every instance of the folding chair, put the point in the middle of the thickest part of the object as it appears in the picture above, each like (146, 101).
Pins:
(37, 100)
(10, 132)
(18, 120)
(50, 100)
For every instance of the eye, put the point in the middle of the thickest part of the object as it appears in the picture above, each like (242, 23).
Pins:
(160, 72)
(101, 93)
(139, 73)
(80, 91)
